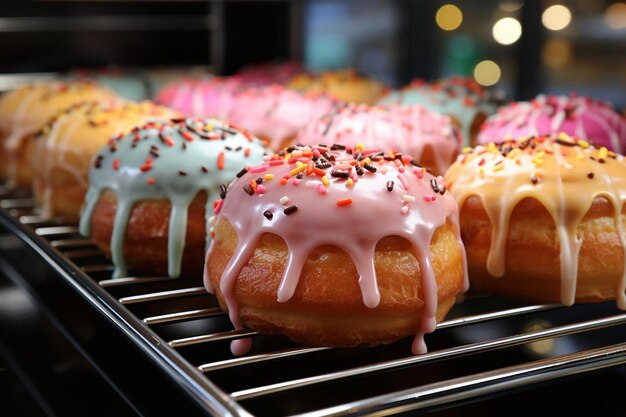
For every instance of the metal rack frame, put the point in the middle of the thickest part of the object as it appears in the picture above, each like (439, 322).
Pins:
(63, 249)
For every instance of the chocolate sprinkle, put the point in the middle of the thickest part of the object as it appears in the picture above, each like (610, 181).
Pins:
(290, 210)
(434, 185)
(182, 173)
(590, 175)
(390, 186)
(340, 174)
(242, 172)
(248, 189)
(223, 191)
(268, 214)
(204, 169)
(370, 168)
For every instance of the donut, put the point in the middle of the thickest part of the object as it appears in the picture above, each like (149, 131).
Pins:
(276, 114)
(208, 96)
(151, 189)
(333, 248)
(543, 219)
(428, 137)
(583, 117)
(463, 99)
(343, 85)
(25, 111)
(64, 148)
(269, 73)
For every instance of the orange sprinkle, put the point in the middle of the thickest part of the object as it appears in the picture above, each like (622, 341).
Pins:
(344, 202)
(187, 136)
(220, 160)
(319, 172)
(283, 181)
(116, 164)
(168, 141)
(253, 185)
(246, 152)
(151, 180)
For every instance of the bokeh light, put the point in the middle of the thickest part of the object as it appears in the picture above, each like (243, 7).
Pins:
(615, 16)
(507, 30)
(487, 73)
(557, 53)
(556, 17)
(449, 17)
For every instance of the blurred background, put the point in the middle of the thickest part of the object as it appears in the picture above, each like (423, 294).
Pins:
(524, 47)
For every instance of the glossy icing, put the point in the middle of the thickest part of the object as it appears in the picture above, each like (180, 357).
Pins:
(409, 130)
(72, 138)
(200, 97)
(564, 174)
(321, 195)
(27, 109)
(273, 113)
(461, 98)
(277, 114)
(583, 117)
(344, 85)
(172, 160)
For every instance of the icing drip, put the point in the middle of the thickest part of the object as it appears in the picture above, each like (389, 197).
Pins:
(336, 196)
(409, 130)
(172, 160)
(547, 115)
(564, 174)
(461, 98)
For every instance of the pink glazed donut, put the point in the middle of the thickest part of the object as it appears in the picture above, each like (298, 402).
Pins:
(591, 120)
(430, 138)
(333, 248)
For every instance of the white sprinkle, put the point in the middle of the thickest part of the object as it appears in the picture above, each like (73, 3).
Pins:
(405, 209)
(284, 200)
(408, 198)
(212, 220)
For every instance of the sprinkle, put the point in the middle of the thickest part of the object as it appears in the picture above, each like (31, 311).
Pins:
(168, 141)
(220, 161)
(340, 174)
(98, 162)
(534, 179)
(325, 181)
(403, 181)
(268, 215)
(390, 186)
(344, 202)
(204, 169)
(290, 210)
(404, 209)
(298, 169)
(295, 181)
(182, 173)
(590, 175)
(257, 169)
(603, 154)
(187, 136)
(283, 181)
(408, 198)
(223, 191)
(498, 167)
(240, 173)
(246, 152)
(218, 207)
(276, 162)
(284, 200)
(116, 164)
(147, 166)
(321, 189)
(151, 181)
(268, 177)
(248, 189)
(260, 190)
(349, 183)
(430, 198)
(583, 144)
(369, 167)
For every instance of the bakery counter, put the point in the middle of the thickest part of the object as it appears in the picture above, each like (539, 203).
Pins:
(148, 345)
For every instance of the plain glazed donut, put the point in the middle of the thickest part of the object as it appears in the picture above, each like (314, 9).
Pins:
(543, 219)
(23, 114)
(63, 151)
(588, 119)
(343, 85)
(336, 249)
(428, 137)
(151, 189)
